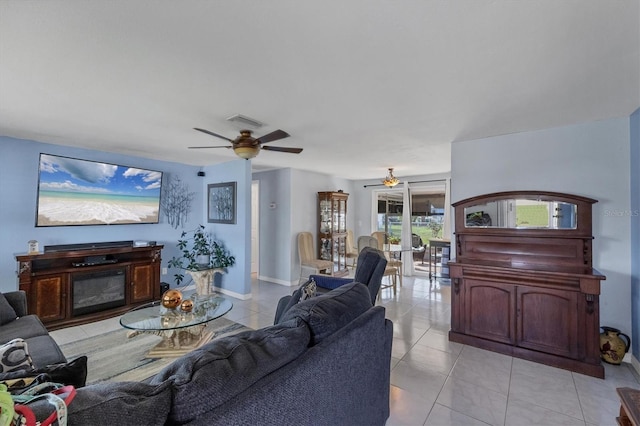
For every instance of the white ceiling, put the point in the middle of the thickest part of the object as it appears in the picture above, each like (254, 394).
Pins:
(361, 85)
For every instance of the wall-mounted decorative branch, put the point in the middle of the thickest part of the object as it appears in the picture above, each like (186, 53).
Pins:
(176, 201)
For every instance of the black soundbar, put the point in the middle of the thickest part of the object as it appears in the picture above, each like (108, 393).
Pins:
(95, 263)
(87, 246)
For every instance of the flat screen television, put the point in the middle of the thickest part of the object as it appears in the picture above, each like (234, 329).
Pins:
(82, 192)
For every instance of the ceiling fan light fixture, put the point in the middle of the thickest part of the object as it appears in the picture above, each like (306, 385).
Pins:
(390, 180)
(246, 152)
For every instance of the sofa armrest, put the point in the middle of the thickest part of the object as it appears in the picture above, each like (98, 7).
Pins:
(329, 282)
(18, 301)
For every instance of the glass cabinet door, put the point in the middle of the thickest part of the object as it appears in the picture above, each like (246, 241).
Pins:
(342, 216)
(325, 216)
(339, 254)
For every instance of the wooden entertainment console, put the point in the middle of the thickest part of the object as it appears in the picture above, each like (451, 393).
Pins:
(523, 282)
(48, 279)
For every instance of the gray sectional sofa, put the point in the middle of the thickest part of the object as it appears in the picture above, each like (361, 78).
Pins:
(16, 323)
(326, 362)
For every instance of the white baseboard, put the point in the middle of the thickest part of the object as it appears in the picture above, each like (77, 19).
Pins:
(233, 293)
(277, 281)
(220, 290)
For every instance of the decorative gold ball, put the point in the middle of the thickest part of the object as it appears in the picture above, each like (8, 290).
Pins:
(171, 299)
(186, 305)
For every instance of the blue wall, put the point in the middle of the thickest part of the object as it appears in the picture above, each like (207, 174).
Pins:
(635, 233)
(18, 190)
(589, 159)
(237, 237)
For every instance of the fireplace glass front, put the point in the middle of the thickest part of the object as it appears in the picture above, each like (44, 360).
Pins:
(97, 291)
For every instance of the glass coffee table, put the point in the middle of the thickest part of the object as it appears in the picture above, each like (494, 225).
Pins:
(181, 332)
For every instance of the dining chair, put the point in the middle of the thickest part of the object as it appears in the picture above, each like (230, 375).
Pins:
(352, 251)
(381, 237)
(308, 259)
(418, 248)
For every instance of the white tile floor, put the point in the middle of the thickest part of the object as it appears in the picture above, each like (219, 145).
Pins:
(437, 382)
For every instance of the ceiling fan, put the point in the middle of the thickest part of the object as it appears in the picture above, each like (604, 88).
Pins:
(245, 146)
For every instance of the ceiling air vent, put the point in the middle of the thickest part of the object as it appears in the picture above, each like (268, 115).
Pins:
(243, 120)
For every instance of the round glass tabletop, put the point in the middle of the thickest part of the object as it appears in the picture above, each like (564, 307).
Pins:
(154, 316)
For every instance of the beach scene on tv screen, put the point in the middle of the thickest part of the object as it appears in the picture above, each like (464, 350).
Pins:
(81, 192)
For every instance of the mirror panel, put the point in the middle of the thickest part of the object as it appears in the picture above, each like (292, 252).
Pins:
(522, 213)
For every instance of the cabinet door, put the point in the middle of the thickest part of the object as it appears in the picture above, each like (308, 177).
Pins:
(342, 215)
(142, 282)
(490, 309)
(50, 297)
(547, 320)
(339, 254)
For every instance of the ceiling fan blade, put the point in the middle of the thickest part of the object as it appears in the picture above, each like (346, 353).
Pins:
(213, 134)
(281, 149)
(273, 136)
(207, 147)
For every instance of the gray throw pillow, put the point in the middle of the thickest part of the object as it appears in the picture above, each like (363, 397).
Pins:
(7, 313)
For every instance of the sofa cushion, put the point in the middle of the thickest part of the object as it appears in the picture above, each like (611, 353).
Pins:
(7, 313)
(45, 351)
(329, 312)
(14, 356)
(23, 327)
(209, 376)
(121, 403)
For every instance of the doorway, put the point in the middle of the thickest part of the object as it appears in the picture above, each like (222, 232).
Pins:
(426, 219)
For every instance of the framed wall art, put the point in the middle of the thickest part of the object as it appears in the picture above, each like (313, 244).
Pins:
(221, 202)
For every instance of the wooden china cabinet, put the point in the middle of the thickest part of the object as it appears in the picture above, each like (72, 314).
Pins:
(332, 230)
(522, 280)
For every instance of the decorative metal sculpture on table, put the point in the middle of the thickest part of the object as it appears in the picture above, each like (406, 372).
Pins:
(171, 299)
(176, 310)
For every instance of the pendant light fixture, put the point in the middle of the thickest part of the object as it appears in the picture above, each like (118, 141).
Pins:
(390, 180)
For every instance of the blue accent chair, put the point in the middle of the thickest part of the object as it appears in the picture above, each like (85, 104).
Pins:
(369, 271)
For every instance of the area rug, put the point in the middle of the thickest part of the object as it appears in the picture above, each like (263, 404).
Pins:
(114, 357)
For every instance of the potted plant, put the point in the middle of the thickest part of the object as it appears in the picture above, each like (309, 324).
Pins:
(393, 239)
(199, 251)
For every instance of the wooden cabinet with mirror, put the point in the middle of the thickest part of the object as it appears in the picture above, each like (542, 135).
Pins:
(332, 230)
(522, 280)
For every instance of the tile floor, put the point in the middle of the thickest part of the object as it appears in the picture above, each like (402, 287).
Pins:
(437, 382)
